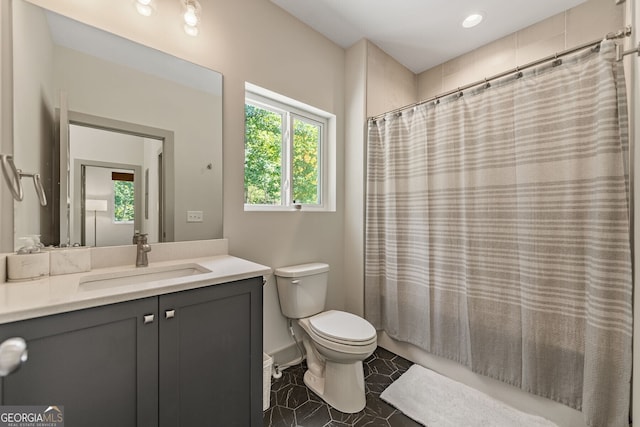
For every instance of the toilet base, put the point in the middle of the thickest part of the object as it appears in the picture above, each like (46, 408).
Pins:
(315, 384)
(342, 386)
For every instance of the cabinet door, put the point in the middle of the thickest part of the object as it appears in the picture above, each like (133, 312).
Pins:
(211, 356)
(100, 364)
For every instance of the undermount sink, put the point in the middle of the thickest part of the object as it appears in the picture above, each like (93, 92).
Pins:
(140, 275)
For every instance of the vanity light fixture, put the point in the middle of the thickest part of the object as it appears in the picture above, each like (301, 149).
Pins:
(191, 10)
(145, 7)
(191, 16)
(472, 20)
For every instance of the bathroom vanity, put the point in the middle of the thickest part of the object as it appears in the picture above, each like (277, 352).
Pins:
(183, 351)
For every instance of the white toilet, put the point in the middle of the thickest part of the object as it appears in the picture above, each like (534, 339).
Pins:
(336, 342)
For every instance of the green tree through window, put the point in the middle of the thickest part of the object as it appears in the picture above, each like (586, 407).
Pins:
(306, 144)
(123, 201)
(266, 173)
(262, 156)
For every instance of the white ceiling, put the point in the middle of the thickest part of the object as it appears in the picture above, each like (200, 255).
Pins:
(421, 33)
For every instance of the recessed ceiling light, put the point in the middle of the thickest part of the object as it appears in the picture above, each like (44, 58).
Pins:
(472, 20)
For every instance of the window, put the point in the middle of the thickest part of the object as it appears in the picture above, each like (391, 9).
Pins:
(289, 157)
(123, 197)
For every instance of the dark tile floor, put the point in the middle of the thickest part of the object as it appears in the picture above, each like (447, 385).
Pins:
(293, 404)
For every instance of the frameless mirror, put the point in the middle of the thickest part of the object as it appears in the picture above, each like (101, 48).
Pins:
(125, 137)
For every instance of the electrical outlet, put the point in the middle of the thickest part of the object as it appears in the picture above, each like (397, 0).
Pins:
(194, 216)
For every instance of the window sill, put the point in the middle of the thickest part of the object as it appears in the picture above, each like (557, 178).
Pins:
(302, 208)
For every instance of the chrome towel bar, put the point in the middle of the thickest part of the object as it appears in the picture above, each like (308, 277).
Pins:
(13, 176)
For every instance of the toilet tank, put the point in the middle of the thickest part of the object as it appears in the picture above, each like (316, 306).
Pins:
(302, 289)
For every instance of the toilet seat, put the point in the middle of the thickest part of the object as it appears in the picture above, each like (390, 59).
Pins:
(342, 328)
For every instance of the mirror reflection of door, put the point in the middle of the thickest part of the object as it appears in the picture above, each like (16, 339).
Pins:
(122, 171)
(109, 205)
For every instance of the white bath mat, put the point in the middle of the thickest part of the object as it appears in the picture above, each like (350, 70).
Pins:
(437, 401)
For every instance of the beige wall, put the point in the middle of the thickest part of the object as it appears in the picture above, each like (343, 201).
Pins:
(354, 153)
(389, 84)
(33, 116)
(582, 24)
(254, 41)
(6, 126)
(375, 83)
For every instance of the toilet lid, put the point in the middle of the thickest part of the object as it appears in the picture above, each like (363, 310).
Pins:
(342, 326)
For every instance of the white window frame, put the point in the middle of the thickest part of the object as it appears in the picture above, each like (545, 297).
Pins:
(291, 109)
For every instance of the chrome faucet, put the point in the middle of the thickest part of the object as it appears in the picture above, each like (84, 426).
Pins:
(140, 240)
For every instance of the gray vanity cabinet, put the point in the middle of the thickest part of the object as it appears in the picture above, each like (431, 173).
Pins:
(211, 356)
(197, 362)
(101, 364)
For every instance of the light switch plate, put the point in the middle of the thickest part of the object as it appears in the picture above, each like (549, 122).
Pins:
(194, 216)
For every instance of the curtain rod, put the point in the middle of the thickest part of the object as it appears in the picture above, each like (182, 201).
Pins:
(555, 57)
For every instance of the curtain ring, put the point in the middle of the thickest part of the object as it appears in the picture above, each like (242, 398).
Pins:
(487, 85)
(518, 73)
(557, 61)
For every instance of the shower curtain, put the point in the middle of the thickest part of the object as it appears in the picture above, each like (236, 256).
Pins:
(497, 232)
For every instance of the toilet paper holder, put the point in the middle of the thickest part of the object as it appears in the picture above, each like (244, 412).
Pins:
(13, 176)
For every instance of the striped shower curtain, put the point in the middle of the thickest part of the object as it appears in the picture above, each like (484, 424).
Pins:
(497, 232)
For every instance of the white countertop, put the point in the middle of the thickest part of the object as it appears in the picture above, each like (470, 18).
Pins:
(59, 294)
